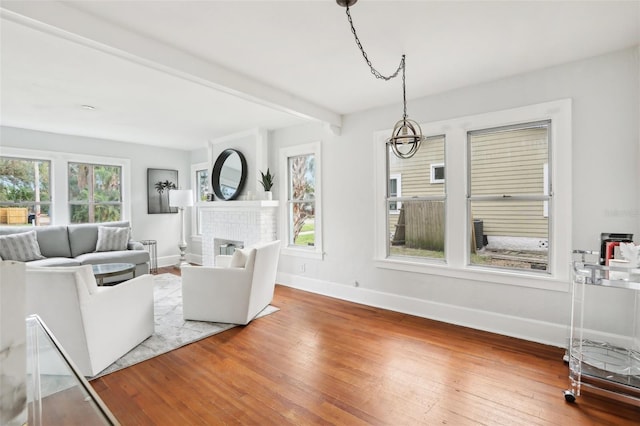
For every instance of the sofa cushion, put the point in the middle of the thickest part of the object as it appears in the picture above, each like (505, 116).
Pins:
(55, 261)
(83, 238)
(125, 256)
(54, 241)
(112, 239)
(22, 247)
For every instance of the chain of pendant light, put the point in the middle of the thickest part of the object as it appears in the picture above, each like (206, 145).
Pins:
(377, 73)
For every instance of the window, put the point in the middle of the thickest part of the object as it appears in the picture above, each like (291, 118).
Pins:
(200, 182)
(418, 229)
(95, 193)
(302, 188)
(437, 173)
(508, 191)
(25, 191)
(507, 180)
(395, 191)
(64, 193)
(301, 200)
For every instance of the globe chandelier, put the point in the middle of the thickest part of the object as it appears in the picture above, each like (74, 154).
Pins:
(407, 135)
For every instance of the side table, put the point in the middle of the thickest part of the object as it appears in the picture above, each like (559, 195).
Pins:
(151, 247)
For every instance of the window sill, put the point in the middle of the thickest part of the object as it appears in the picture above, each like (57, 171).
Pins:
(301, 252)
(542, 282)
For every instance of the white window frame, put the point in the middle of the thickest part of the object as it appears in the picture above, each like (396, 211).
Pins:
(71, 203)
(432, 176)
(545, 185)
(315, 252)
(41, 203)
(60, 214)
(458, 230)
(398, 178)
(196, 235)
(503, 199)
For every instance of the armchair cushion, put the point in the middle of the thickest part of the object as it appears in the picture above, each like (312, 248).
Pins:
(239, 258)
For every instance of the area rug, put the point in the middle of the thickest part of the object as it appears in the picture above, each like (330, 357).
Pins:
(171, 330)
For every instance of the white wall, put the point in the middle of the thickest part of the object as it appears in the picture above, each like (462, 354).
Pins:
(606, 177)
(606, 133)
(253, 146)
(165, 228)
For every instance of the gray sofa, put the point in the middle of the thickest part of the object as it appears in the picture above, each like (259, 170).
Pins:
(73, 245)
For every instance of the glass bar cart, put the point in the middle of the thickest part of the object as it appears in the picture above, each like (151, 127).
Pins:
(604, 346)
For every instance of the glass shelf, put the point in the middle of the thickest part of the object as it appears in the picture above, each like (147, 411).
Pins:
(606, 361)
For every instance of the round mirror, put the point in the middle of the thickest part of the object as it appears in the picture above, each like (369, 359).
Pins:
(229, 174)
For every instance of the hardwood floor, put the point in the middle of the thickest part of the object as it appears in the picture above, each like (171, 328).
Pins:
(325, 361)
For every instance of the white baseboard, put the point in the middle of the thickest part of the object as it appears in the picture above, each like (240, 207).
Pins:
(196, 259)
(522, 328)
(165, 261)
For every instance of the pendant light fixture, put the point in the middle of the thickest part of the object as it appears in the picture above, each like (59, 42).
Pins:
(407, 134)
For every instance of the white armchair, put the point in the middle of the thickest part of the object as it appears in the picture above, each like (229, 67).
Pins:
(231, 295)
(95, 325)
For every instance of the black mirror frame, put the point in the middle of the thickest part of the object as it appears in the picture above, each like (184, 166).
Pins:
(217, 169)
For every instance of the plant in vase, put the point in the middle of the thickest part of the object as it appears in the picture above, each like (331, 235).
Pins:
(267, 183)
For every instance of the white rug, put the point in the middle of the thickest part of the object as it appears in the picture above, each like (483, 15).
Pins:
(171, 330)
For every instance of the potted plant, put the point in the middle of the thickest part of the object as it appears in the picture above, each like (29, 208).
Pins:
(267, 183)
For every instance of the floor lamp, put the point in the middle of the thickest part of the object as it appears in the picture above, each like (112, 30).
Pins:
(181, 198)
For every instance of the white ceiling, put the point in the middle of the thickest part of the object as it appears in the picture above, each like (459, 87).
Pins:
(179, 73)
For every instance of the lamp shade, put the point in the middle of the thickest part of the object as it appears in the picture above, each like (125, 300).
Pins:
(180, 198)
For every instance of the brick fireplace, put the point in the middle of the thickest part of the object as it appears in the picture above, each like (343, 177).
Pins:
(247, 222)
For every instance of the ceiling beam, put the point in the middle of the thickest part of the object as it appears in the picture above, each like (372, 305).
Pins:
(64, 21)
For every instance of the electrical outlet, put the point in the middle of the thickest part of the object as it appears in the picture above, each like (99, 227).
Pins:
(303, 268)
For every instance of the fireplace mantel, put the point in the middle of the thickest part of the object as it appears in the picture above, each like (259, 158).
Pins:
(234, 204)
(249, 222)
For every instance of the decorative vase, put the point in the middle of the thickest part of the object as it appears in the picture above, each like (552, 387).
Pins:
(268, 195)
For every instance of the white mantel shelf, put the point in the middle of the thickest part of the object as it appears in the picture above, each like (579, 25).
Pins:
(236, 204)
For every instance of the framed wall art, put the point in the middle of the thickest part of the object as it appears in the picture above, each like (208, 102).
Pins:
(159, 182)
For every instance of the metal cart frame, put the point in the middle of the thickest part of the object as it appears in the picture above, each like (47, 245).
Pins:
(605, 363)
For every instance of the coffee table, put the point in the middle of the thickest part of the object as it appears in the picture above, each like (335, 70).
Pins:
(105, 270)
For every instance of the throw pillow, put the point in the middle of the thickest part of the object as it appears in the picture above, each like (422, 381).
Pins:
(22, 247)
(111, 238)
(239, 258)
